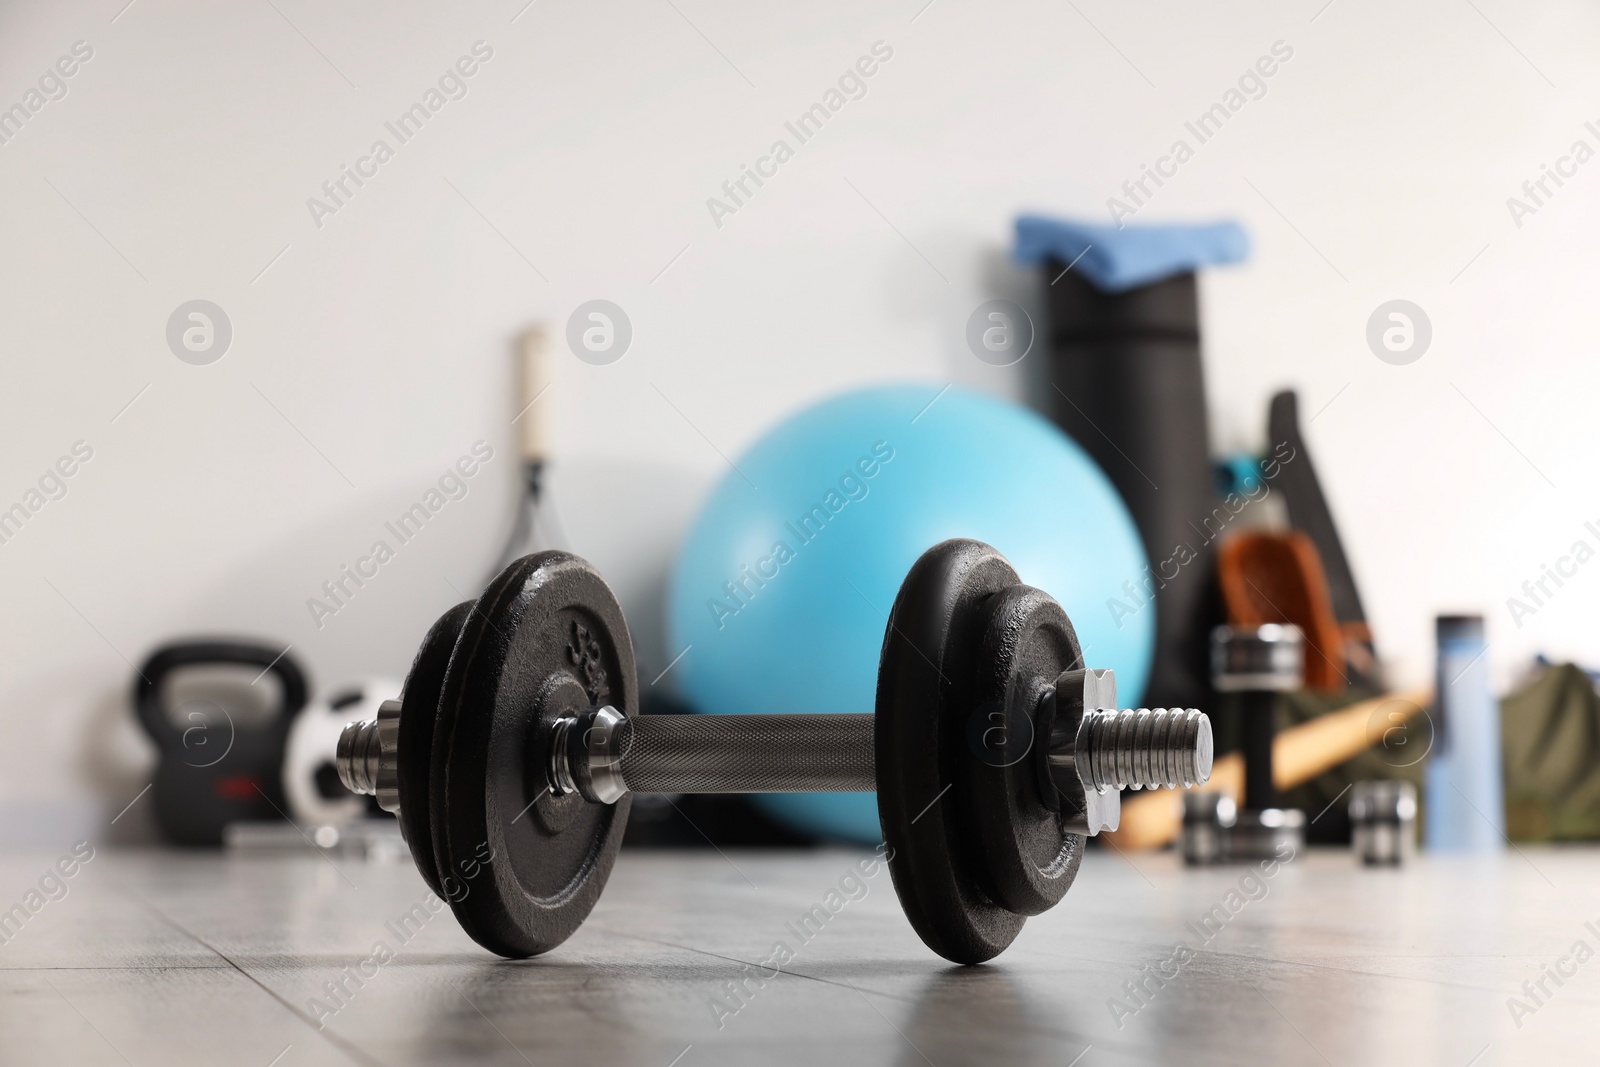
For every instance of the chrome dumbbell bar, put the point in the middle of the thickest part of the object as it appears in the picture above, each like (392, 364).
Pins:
(1090, 753)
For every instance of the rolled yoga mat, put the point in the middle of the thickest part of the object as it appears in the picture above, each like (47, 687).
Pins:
(1126, 384)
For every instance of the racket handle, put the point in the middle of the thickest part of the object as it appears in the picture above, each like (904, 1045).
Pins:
(533, 378)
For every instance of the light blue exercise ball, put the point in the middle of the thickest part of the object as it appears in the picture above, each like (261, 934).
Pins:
(782, 588)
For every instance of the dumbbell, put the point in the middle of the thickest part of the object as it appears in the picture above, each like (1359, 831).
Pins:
(1258, 663)
(1383, 822)
(993, 752)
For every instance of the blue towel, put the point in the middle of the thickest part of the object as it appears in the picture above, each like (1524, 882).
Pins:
(1116, 259)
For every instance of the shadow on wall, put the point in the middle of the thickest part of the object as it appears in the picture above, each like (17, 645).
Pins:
(659, 501)
(117, 760)
(1026, 381)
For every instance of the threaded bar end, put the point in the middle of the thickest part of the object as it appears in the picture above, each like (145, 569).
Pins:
(1145, 748)
(358, 756)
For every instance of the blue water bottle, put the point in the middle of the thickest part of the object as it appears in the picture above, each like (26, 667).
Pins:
(1464, 805)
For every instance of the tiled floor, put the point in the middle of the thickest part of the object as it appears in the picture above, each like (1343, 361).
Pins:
(164, 958)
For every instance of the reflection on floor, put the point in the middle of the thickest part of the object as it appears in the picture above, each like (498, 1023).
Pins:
(169, 958)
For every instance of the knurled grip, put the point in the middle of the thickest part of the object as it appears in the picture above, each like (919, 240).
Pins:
(747, 753)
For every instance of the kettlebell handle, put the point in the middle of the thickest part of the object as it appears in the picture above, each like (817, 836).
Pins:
(168, 658)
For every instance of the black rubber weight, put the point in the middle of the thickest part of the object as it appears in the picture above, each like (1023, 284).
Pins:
(927, 677)
(419, 704)
(546, 639)
(1028, 860)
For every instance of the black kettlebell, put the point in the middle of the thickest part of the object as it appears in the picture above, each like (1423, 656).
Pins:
(214, 770)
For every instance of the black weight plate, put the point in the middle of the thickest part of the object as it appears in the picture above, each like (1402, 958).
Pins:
(545, 640)
(927, 675)
(419, 712)
(1029, 861)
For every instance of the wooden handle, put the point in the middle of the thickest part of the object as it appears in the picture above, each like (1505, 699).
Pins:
(532, 380)
(1150, 820)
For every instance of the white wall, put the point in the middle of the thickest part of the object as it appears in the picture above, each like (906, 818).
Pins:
(190, 142)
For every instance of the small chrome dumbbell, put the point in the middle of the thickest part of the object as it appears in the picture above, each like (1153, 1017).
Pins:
(1208, 818)
(1259, 663)
(1383, 822)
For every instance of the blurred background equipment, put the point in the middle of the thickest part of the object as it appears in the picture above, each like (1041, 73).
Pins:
(1271, 572)
(1309, 512)
(782, 588)
(1550, 730)
(316, 797)
(1463, 795)
(375, 840)
(533, 446)
(1208, 816)
(1383, 822)
(1299, 754)
(1274, 576)
(1256, 665)
(219, 712)
(1127, 386)
(1398, 731)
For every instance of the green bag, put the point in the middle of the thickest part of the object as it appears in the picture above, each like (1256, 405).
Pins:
(1550, 750)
